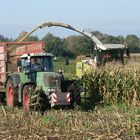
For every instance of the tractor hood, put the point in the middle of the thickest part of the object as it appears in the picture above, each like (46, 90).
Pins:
(48, 80)
(51, 79)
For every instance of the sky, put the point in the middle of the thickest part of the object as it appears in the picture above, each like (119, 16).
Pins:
(114, 17)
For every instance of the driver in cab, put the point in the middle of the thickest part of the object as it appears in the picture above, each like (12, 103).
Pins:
(35, 66)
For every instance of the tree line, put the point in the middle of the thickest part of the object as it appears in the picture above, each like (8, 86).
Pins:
(75, 45)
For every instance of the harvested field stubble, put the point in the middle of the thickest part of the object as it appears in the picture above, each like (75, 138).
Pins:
(102, 124)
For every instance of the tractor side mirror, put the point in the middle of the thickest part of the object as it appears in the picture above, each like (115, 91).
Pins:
(18, 63)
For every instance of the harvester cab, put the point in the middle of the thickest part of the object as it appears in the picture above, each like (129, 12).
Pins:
(101, 55)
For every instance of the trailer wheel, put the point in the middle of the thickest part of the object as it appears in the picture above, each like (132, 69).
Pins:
(75, 94)
(26, 98)
(10, 94)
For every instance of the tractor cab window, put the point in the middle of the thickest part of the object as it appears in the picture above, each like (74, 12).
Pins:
(37, 64)
(25, 66)
(42, 64)
(47, 63)
(24, 62)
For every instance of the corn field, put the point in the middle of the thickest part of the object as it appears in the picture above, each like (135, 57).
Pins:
(116, 115)
(114, 84)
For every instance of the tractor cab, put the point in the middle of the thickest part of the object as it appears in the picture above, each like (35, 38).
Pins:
(37, 62)
(32, 63)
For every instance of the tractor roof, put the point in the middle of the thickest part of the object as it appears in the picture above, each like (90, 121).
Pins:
(36, 55)
(111, 46)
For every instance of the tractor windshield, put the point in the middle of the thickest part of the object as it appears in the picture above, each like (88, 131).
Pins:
(42, 63)
(47, 64)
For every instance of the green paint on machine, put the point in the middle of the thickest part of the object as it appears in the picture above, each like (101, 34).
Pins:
(23, 78)
(48, 80)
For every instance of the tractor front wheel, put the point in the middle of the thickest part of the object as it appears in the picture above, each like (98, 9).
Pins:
(38, 103)
(26, 97)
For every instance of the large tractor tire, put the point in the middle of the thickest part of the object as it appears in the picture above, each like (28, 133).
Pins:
(74, 90)
(26, 98)
(11, 94)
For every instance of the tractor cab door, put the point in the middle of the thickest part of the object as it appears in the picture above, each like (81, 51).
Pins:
(26, 68)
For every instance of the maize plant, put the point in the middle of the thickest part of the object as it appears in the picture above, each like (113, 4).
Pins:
(36, 99)
(114, 84)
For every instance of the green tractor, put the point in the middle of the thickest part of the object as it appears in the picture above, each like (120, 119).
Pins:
(36, 75)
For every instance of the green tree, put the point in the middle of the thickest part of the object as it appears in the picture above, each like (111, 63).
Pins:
(33, 38)
(79, 45)
(133, 43)
(4, 39)
(106, 39)
(121, 39)
(54, 45)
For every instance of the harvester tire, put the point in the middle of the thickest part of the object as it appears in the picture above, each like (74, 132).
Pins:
(75, 95)
(11, 94)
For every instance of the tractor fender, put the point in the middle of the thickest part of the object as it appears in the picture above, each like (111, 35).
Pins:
(15, 79)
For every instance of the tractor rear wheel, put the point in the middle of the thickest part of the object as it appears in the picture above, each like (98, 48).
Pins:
(11, 99)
